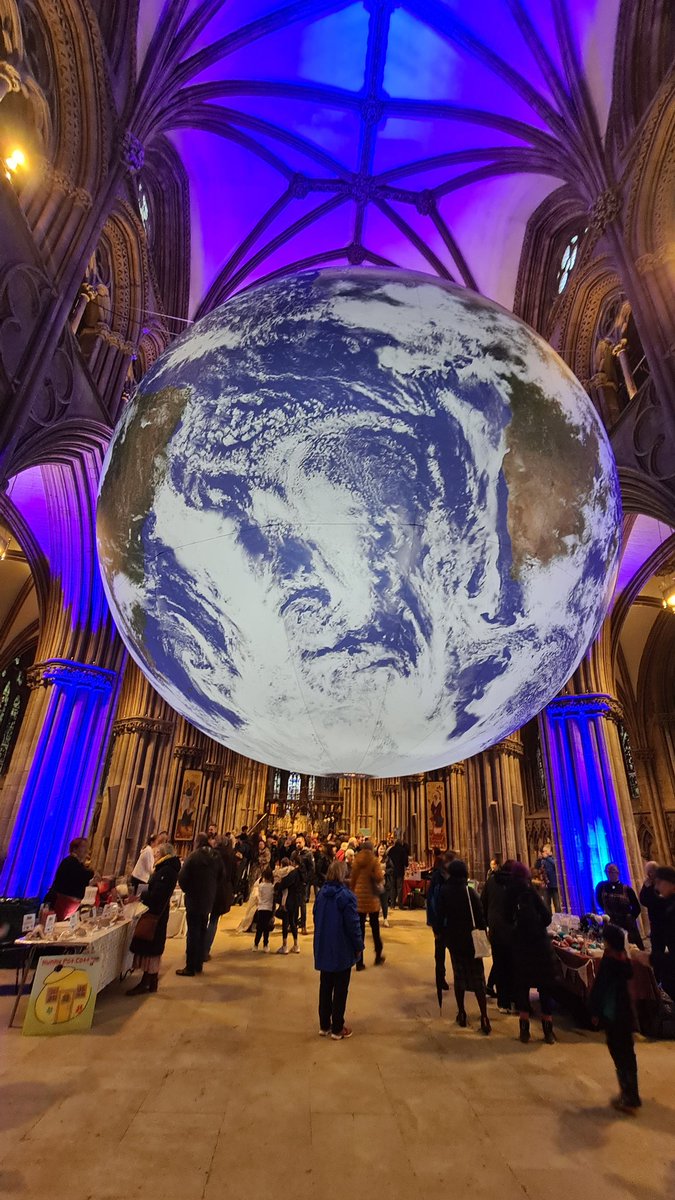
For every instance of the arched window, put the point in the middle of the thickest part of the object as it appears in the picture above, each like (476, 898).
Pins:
(143, 206)
(567, 261)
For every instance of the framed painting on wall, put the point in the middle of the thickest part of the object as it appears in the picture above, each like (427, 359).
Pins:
(187, 806)
(436, 826)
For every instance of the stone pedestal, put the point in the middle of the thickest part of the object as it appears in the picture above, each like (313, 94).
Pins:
(589, 796)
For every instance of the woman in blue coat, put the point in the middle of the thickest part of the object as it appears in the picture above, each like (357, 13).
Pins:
(337, 945)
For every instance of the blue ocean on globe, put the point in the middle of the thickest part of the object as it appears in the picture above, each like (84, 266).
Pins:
(359, 521)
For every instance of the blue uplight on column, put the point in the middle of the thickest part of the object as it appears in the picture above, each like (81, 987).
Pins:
(584, 803)
(57, 796)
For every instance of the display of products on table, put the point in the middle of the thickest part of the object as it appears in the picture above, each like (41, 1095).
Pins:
(85, 922)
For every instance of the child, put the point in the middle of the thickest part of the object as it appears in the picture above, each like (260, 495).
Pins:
(263, 920)
(611, 1004)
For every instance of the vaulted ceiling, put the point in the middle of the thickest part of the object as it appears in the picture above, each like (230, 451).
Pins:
(423, 133)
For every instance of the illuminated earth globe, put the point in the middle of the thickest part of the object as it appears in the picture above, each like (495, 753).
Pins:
(359, 521)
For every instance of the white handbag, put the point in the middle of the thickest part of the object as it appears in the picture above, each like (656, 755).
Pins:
(481, 943)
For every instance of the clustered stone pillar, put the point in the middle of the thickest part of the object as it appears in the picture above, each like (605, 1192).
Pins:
(588, 793)
(496, 801)
(62, 738)
(138, 769)
(458, 811)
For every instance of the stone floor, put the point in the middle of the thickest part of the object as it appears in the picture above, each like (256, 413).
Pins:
(220, 1087)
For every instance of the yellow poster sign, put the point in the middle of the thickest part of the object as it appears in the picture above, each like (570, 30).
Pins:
(63, 995)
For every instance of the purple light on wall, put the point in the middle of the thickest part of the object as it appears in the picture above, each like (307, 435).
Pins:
(56, 800)
(385, 91)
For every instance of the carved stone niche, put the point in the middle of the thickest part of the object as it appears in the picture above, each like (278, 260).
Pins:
(190, 755)
(213, 768)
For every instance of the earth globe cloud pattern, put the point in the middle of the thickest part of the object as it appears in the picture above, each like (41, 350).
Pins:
(359, 521)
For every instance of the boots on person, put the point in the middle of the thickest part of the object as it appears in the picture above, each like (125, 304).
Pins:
(524, 1030)
(143, 985)
(547, 1026)
(154, 980)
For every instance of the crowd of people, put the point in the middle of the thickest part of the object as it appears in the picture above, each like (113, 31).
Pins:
(353, 884)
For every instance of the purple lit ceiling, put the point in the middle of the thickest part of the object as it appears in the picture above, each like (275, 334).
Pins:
(422, 134)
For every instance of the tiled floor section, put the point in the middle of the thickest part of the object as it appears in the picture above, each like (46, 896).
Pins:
(220, 1088)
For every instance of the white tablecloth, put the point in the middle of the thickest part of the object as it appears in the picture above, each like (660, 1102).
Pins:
(110, 946)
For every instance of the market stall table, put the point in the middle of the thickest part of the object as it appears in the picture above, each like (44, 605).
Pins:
(413, 883)
(109, 946)
(579, 970)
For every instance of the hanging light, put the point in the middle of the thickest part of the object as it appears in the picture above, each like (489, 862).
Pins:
(666, 575)
(14, 162)
(668, 595)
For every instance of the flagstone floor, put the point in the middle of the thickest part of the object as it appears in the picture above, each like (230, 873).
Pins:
(220, 1087)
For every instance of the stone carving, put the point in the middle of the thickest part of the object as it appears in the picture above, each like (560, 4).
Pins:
(25, 294)
(605, 208)
(133, 154)
(69, 674)
(650, 444)
(143, 725)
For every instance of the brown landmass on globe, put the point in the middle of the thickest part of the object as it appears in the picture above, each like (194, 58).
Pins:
(549, 467)
(128, 489)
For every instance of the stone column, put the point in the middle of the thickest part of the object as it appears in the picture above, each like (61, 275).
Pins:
(589, 797)
(138, 768)
(644, 759)
(67, 730)
(457, 807)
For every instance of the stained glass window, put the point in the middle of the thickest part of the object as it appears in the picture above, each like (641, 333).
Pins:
(567, 261)
(13, 700)
(144, 206)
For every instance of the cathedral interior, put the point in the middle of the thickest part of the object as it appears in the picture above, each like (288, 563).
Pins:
(159, 158)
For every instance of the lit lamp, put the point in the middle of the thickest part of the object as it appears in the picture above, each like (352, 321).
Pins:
(14, 162)
(668, 595)
(4, 545)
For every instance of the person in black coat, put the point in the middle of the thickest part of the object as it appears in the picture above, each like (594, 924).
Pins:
(226, 887)
(72, 878)
(500, 931)
(459, 912)
(619, 901)
(663, 961)
(199, 880)
(398, 857)
(148, 951)
(653, 902)
(437, 878)
(533, 963)
(611, 1006)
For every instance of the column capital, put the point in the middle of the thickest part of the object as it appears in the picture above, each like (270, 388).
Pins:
(588, 704)
(68, 674)
(142, 725)
(512, 746)
(456, 769)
